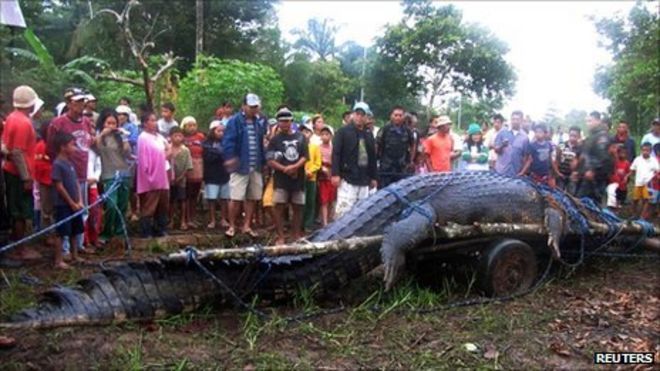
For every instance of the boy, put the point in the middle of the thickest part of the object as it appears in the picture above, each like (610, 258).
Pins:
(312, 166)
(539, 160)
(66, 196)
(193, 140)
(644, 167)
(327, 192)
(181, 164)
(166, 121)
(618, 187)
(286, 155)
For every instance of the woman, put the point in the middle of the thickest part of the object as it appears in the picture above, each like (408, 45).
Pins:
(153, 184)
(475, 152)
(216, 177)
(113, 147)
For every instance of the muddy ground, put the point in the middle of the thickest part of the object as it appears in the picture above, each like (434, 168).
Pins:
(606, 305)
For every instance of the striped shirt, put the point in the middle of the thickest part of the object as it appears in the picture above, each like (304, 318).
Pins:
(252, 145)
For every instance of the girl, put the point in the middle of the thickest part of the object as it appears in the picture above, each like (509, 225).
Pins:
(475, 153)
(216, 177)
(193, 141)
(114, 149)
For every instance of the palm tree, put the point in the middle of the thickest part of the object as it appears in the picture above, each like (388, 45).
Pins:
(318, 38)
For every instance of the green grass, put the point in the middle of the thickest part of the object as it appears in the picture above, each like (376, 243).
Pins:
(15, 295)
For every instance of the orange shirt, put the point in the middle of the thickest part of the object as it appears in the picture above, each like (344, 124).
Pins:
(19, 134)
(439, 148)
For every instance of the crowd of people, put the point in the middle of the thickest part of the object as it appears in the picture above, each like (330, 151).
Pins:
(253, 171)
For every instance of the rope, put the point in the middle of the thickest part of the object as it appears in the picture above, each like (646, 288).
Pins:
(113, 188)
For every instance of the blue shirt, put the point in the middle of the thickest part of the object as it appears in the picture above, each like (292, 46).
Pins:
(510, 159)
(540, 152)
(64, 172)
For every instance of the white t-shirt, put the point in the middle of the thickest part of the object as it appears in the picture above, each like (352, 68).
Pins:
(164, 127)
(489, 141)
(645, 169)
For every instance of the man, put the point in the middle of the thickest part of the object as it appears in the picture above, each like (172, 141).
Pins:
(371, 125)
(90, 108)
(439, 147)
(287, 154)
(511, 147)
(489, 138)
(353, 161)
(395, 149)
(622, 138)
(243, 146)
(75, 123)
(567, 156)
(596, 163)
(411, 122)
(653, 136)
(224, 112)
(18, 143)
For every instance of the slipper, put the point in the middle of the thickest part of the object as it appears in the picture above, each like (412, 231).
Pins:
(62, 266)
(224, 224)
(193, 225)
(251, 233)
(210, 226)
(184, 227)
(230, 232)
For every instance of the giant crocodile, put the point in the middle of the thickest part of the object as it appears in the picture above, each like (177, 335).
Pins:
(404, 212)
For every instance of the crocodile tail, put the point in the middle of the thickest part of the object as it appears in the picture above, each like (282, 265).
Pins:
(132, 291)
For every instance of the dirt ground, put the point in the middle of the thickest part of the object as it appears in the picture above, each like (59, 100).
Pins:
(606, 305)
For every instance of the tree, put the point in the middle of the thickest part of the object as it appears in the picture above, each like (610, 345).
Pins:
(472, 110)
(438, 54)
(575, 118)
(213, 81)
(140, 49)
(318, 38)
(632, 81)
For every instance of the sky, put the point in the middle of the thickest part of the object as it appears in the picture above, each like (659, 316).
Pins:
(553, 45)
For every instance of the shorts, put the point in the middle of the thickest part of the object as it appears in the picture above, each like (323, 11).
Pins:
(267, 201)
(19, 200)
(348, 195)
(283, 196)
(177, 192)
(192, 190)
(71, 228)
(641, 193)
(246, 186)
(327, 192)
(215, 191)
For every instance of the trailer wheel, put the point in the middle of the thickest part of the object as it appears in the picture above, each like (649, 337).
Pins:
(507, 267)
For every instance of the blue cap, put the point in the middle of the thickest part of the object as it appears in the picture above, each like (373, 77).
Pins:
(362, 106)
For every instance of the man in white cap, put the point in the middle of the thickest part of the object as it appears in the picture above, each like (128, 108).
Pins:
(243, 146)
(18, 143)
(439, 147)
(353, 161)
(90, 108)
(75, 123)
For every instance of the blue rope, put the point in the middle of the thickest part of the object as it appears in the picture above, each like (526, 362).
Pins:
(113, 188)
(411, 206)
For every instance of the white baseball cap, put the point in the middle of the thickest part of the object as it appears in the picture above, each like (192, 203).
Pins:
(252, 100)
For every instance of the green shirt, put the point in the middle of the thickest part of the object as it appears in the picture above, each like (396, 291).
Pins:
(182, 163)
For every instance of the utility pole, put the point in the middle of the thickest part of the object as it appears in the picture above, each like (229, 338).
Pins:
(364, 67)
(199, 37)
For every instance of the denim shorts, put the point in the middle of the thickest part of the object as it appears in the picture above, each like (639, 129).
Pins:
(73, 227)
(213, 191)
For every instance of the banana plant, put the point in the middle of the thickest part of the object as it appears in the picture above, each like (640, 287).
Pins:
(74, 70)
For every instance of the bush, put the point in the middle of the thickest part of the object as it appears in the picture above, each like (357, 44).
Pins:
(212, 81)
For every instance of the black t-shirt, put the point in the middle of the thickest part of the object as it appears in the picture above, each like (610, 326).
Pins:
(287, 149)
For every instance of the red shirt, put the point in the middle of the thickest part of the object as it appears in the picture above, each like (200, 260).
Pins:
(19, 134)
(42, 164)
(621, 169)
(82, 132)
(439, 149)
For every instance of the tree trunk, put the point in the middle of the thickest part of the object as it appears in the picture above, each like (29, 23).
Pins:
(199, 42)
(148, 89)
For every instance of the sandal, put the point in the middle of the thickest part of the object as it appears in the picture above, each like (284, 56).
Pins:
(230, 232)
(210, 226)
(251, 233)
(184, 227)
(62, 266)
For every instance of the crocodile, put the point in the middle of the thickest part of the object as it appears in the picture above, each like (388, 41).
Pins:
(405, 213)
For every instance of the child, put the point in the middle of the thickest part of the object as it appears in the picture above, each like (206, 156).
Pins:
(539, 160)
(327, 192)
(182, 165)
(216, 177)
(644, 168)
(93, 222)
(475, 152)
(617, 189)
(166, 121)
(654, 188)
(312, 166)
(193, 140)
(42, 169)
(66, 197)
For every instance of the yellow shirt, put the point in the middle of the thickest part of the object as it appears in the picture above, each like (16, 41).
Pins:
(313, 165)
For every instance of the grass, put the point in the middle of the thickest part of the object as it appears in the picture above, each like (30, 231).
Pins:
(13, 294)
